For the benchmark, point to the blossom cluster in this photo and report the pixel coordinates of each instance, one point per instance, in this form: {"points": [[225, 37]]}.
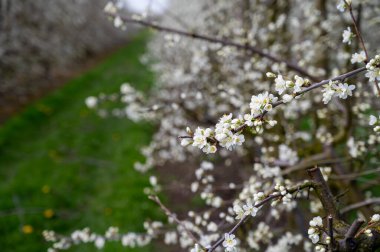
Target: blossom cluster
{"points": [[315, 229], [228, 131], [230, 242], [373, 69], [286, 197], [248, 209], [282, 85], [262, 234], [336, 89], [348, 36], [130, 104], [358, 57], [111, 235], [375, 121], [204, 185], [375, 219], [343, 5]]}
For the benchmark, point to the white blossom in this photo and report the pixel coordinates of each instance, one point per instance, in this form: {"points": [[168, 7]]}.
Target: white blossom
{"points": [[209, 149], [287, 98], [262, 102], [358, 57], [375, 218], [200, 137], [299, 83], [342, 5], [250, 209], [314, 231], [91, 101], [372, 120], [287, 154], [280, 85], [316, 222], [249, 119], [99, 242], [328, 92], [270, 75], [229, 242], [196, 248], [170, 238], [373, 69], [118, 22], [347, 36], [110, 8], [368, 233], [238, 211], [344, 90]]}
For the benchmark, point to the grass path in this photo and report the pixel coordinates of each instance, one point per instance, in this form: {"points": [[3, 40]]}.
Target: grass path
{"points": [[58, 158]]}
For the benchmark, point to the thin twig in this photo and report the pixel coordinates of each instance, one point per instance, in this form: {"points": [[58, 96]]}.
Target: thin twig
{"points": [[367, 227], [357, 31], [360, 204], [174, 217], [353, 176], [361, 40]]}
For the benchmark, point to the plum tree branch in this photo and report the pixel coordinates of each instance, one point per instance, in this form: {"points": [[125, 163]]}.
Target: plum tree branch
{"points": [[271, 197], [360, 204], [330, 226], [224, 42], [311, 87], [341, 77], [323, 192]]}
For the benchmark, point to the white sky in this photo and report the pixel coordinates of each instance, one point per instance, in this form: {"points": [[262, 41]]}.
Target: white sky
{"points": [[139, 6]]}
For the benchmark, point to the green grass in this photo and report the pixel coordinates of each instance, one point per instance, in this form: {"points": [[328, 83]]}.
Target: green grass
{"points": [[59, 155]]}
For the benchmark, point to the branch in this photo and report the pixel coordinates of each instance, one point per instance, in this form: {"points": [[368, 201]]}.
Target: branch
{"points": [[354, 228], [348, 243], [330, 227], [353, 176], [276, 104], [323, 192], [360, 204], [261, 203], [313, 86], [221, 41]]}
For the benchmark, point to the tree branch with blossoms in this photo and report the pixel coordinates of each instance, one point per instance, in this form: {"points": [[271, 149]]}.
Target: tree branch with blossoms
{"points": [[273, 196], [245, 47], [360, 39], [228, 130], [338, 235]]}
